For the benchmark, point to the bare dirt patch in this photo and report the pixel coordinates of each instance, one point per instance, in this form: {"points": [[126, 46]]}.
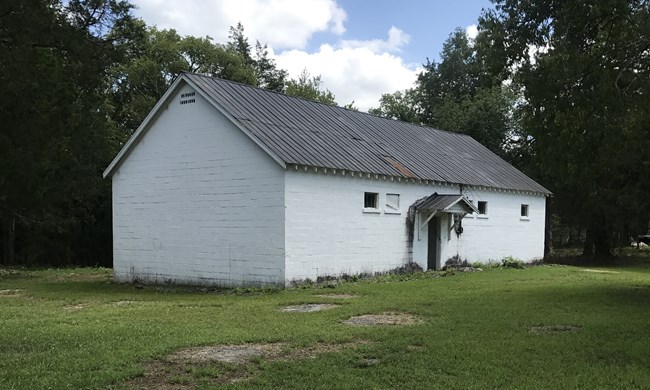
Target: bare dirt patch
{"points": [[75, 307], [309, 307], [236, 354], [11, 293], [83, 277], [600, 271], [337, 296], [219, 364], [123, 303], [381, 319], [368, 362], [317, 349], [545, 329], [413, 347]]}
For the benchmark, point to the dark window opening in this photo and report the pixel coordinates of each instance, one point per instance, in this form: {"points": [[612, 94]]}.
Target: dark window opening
{"points": [[370, 200], [524, 210], [482, 207]]}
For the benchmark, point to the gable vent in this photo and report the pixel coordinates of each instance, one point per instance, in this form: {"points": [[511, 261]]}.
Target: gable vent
{"points": [[185, 96]]}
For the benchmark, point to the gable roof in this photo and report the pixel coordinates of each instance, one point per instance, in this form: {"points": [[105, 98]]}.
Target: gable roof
{"points": [[302, 132], [435, 203]]}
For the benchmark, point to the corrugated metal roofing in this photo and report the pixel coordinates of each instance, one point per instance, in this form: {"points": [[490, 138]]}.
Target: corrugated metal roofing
{"points": [[437, 202], [303, 132]]}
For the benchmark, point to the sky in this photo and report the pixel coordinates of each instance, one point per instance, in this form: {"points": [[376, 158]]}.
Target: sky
{"points": [[361, 49]]}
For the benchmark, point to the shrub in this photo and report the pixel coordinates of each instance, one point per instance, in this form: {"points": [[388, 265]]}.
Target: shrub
{"points": [[511, 262]]}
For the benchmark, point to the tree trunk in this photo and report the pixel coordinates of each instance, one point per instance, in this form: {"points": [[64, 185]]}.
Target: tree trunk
{"points": [[588, 248], [8, 225], [602, 242], [548, 236]]}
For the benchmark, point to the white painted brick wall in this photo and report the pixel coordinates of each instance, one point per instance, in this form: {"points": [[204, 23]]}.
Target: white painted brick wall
{"points": [[327, 233], [198, 202], [503, 233]]}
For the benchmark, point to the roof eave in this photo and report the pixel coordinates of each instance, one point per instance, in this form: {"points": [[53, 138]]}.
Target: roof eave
{"points": [[469, 204], [408, 179]]}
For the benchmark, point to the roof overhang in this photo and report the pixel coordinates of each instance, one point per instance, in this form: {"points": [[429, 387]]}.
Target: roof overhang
{"points": [[455, 203]]}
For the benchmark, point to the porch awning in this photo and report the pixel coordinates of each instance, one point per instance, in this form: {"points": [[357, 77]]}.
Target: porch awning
{"points": [[446, 203]]}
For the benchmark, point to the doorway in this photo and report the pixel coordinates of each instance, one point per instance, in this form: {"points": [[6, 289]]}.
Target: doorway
{"points": [[433, 243]]}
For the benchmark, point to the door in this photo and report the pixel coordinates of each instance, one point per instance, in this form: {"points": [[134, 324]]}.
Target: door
{"points": [[433, 241]]}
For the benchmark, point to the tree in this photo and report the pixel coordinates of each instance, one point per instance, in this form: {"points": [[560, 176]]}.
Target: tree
{"points": [[457, 94], [310, 87], [156, 58], [56, 135], [238, 43], [400, 105], [268, 75], [584, 71]]}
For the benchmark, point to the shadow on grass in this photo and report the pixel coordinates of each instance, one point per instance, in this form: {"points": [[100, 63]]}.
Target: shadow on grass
{"points": [[625, 259]]}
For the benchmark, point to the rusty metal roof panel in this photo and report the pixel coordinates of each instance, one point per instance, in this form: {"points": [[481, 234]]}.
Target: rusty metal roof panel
{"points": [[303, 132]]}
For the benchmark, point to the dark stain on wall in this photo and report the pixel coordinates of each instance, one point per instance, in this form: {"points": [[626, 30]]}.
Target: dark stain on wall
{"points": [[410, 230]]}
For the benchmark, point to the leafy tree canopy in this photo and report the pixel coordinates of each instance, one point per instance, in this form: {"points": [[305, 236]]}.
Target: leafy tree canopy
{"points": [[310, 87], [457, 94], [584, 71], [56, 133]]}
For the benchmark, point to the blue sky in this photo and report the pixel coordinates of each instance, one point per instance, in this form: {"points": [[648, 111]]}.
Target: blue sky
{"points": [[361, 49], [428, 23]]}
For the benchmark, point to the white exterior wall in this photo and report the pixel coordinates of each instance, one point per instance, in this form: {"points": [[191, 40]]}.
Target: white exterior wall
{"points": [[502, 232], [327, 232], [198, 202]]}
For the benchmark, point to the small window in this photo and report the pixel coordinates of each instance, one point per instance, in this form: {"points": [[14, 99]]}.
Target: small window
{"points": [[370, 200], [524, 210], [482, 207], [392, 202]]}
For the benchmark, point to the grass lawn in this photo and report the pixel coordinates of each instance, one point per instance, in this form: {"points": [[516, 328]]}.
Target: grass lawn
{"points": [[75, 328]]}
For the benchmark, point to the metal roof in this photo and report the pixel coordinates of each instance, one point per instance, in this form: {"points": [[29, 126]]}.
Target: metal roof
{"points": [[437, 202], [302, 132]]}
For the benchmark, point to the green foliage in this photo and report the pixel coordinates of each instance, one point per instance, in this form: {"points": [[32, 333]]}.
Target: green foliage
{"points": [[56, 134], [309, 87], [485, 116], [485, 265], [584, 71], [78, 77], [156, 58], [511, 262], [457, 94], [400, 105], [63, 324], [351, 106], [268, 75], [238, 43]]}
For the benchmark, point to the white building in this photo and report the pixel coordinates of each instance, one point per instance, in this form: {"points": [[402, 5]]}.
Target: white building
{"points": [[226, 184]]}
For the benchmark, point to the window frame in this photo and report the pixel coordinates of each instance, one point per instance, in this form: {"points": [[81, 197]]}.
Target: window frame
{"points": [[485, 212], [526, 216], [371, 209]]}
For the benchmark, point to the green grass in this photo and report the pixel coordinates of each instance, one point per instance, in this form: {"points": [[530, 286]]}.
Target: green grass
{"points": [[474, 335]]}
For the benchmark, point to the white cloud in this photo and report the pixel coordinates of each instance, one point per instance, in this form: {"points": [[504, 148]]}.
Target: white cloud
{"points": [[352, 69], [358, 71], [396, 39], [471, 31], [283, 24]]}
